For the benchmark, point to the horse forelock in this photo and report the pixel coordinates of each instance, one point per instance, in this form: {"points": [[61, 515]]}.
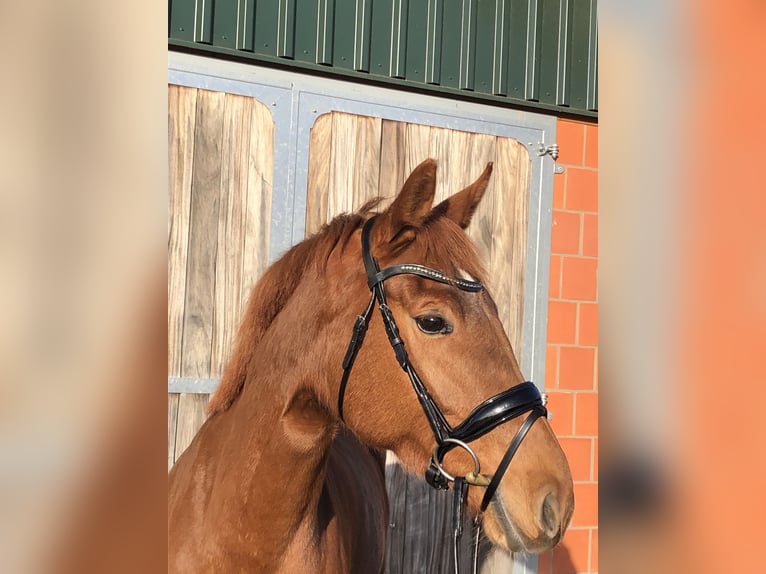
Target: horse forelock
{"points": [[270, 295], [447, 248]]}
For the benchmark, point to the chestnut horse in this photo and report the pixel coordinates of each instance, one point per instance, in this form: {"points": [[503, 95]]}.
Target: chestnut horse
{"points": [[275, 481]]}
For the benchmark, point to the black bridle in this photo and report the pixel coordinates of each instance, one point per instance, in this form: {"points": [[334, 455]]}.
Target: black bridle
{"points": [[512, 403]]}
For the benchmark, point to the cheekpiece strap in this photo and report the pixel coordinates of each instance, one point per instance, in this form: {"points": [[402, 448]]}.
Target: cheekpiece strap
{"points": [[357, 338]]}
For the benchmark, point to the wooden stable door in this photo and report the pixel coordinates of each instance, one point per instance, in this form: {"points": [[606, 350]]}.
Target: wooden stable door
{"points": [[221, 157], [353, 159]]}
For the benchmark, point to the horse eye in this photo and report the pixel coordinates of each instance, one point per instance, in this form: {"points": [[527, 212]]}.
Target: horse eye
{"points": [[433, 325]]}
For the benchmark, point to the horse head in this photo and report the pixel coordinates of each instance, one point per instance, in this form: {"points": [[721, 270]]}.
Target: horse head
{"points": [[434, 290]]}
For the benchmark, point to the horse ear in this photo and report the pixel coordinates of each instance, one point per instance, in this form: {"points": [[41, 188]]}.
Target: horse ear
{"points": [[461, 206], [413, 203]]}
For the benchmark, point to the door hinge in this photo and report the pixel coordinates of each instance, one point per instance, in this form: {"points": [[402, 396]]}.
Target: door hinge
{"points": [[552, 149]]}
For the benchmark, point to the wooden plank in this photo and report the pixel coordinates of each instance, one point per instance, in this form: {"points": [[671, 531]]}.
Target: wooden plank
{"points": [[200, 286], [509, 248], [191, 414], [403, 146], [172, 427], [182, 104], [342, 151], [233, 194], [501, 254], [448, 148], [481, 150], [319, 173], [257, 212], [366, 161], [393, 172], [417, 146], [440, 143], [520, 230]]}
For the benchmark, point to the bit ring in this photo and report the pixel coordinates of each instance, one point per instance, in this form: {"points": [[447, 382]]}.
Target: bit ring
{"points": [[437, 463]]}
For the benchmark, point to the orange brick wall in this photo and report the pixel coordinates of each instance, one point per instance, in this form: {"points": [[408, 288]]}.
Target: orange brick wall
{"points": [[571, 379]]}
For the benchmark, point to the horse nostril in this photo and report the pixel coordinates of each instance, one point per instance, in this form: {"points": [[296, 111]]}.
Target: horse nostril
{"points": [[548, 519]]}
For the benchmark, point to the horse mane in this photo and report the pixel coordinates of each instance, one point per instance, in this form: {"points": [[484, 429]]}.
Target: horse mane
{"points": [[445, 245], [270, 295]]}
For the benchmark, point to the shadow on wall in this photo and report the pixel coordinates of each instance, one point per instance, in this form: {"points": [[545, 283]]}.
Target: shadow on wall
{"points": [[562, 562], [557, 561]]}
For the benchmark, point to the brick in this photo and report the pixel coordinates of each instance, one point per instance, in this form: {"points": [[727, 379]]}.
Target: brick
{"points": [[551, 367], [579, 278], [570, 136], [554, 286], [586, 414], [565, 235], [559, 182], [591, 145], [576, 366], [578, 451], [586, 504], [590, 235], [587, 324], [581, 190], [571, 555], [562, 322], [561, 407]]}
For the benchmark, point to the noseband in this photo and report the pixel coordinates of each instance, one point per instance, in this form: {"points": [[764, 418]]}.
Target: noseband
{"points": [[512, 403]]}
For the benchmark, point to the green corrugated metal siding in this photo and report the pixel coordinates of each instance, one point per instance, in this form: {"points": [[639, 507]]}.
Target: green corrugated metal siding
{"points": [[533, 53]]}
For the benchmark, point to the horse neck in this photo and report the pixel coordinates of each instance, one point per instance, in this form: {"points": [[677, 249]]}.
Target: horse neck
{"points": [[271, 465]]}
